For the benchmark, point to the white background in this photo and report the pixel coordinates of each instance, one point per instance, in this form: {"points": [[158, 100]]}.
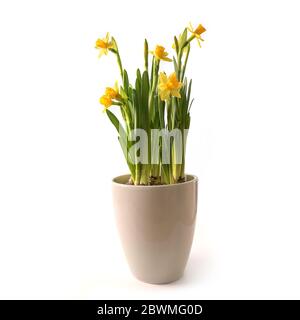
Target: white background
{"points": [[58, 151]]}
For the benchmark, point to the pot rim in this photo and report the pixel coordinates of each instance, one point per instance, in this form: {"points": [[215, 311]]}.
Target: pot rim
{"points": [[192, 177]]}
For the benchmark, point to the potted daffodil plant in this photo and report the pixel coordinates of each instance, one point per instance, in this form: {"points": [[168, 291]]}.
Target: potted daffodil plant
{"points": [[156, 203]]}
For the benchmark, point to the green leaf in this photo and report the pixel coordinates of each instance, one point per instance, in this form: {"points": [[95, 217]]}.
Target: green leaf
{"points": [[175, 66], [189, 92], [123, 94], [161, 112], [152, 70], [191, 105], [145, 88], [122, 138], [188, 121], [183, 37], [114, 120], [125, 81], [138, 76]]}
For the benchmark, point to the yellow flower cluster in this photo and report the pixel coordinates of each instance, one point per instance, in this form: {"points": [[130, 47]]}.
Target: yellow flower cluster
{"points": [[168, 86], [109, 96]]}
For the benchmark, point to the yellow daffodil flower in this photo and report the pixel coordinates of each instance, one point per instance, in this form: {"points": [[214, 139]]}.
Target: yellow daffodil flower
{"points": [[168, 86], [110, 95], [103, 45], [113, 93], [160, 53], [106, 101], [197, 32]]}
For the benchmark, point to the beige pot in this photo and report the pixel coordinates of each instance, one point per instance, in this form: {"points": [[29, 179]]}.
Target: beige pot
{"points": [[156, 225]]}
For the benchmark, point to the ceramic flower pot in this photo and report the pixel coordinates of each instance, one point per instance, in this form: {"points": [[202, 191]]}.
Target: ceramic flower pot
{"points": [[156, 226]]}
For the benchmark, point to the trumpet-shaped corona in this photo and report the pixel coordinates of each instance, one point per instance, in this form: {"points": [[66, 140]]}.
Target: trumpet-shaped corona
{"points": [[160, 53]]}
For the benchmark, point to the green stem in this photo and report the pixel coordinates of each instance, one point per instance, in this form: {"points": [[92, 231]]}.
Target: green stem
{"points": [[185, 63], [179, 57], [154, 82], [137, 174], [182, 171], [116, 51], [120, 63]]}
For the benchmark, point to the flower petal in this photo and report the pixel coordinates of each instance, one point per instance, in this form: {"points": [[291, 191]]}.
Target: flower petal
{"points": [[175, 93], [163, 77]]}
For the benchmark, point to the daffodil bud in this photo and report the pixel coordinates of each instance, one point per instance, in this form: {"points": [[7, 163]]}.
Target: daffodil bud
{"points": [[146, 53]]}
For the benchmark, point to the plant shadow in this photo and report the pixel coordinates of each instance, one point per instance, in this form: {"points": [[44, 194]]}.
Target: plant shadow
{"points": [[198, 267]]}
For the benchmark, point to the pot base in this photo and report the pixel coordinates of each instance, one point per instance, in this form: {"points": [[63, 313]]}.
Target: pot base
{"points": [[160, 281]]}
